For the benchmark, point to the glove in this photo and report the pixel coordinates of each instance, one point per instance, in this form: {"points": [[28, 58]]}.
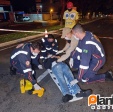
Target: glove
{"points": [[50, 55], [61, 51], [71, 62], [40, 67], [75, 81], [36, 87]]}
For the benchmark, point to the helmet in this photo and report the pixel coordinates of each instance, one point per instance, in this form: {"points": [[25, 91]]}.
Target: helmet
{"points": [[69, 5]]}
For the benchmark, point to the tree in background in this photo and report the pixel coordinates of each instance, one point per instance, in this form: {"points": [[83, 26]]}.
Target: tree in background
{"points": [[62, 11]]}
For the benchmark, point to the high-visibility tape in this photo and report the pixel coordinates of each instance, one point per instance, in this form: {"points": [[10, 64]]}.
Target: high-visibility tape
{"points": [[9, 30], [50, 32], [106, 37]]}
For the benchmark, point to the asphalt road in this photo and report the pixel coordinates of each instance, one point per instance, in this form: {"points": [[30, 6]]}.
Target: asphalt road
{"points": [[12, 101]]}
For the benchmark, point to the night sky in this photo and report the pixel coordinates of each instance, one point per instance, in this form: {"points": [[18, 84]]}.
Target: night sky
{"points": [[105, 6], [24, 5]]}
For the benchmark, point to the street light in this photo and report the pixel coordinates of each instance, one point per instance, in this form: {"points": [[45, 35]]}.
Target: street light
{"points": [[51, 12]]}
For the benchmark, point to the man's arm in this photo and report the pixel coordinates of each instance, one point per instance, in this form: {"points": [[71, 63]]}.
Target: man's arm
{"points": [[66, 46], [73, 45], [64, 49]]}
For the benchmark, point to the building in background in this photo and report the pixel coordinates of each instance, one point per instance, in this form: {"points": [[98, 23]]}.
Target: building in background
{"points": [[5, 9], [15, 10], [39, 6]]}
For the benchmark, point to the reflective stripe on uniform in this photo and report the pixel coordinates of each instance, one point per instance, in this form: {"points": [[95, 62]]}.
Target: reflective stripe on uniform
{"points": [[43, 50], [55, 40], [48, 48], [27, 70], [78, 57], [84, 80], [96, 45], [41, 57], [17, 53], [43, 40], [33, 57], [33, 72], [55, 50], [78, 49], [84, 67]]}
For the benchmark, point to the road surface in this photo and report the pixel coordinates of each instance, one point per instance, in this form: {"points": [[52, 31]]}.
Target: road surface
{"points": [[12, 101]]}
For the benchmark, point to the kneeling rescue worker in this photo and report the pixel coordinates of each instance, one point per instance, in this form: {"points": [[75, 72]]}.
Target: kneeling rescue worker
{"points": [[22, 59]]}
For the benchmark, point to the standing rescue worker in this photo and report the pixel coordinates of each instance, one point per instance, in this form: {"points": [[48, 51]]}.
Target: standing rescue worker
{"points": [[91, 54], [70, 16], [49, 47], [22, 59]]}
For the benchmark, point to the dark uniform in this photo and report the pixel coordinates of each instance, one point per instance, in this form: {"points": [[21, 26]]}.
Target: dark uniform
{"points": [[48, 48], [23, 60], [91, 54]]}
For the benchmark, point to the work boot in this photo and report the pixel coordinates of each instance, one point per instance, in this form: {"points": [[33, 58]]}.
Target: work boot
{"points": [[75, 99], [84, 93], [66, 98], [109, 75]]}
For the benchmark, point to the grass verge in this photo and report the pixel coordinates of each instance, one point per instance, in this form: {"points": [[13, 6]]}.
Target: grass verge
{"points": [[18, 35]]}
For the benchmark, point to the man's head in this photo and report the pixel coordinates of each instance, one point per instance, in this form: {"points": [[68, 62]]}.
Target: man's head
{"points": [[50, 38], [35, 48], [78, 31], [69, 6], [66, 33]]}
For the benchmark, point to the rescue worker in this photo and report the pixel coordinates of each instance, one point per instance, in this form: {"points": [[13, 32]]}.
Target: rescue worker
{"points": [[71, 43], [91, 54], [22, 59], [70, 16], [49, 47]]}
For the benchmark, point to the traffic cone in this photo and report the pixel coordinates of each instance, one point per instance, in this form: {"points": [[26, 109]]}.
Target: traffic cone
{"points": [[46, 34]]}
